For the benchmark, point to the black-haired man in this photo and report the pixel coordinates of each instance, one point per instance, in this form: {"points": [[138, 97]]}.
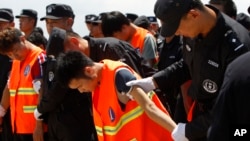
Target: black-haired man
{"points": [[27, 24], [59, 15], [73, 109]]}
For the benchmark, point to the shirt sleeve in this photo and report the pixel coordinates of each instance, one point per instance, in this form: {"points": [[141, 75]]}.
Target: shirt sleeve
{"points": [[37, 71], [122, 77], [150, 48]]}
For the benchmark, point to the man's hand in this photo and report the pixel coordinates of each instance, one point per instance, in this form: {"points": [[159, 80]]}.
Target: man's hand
{"points": [[37, 115], [38, 131], [2, 111], [146, 84], [178, 133], [1, 124]]}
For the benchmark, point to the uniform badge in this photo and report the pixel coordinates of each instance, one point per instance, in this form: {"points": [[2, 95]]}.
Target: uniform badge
{"points": [[210, 86], [49, 9], [111, 114], [51, 76], [92, 19], [213, 63], [26, 70]]}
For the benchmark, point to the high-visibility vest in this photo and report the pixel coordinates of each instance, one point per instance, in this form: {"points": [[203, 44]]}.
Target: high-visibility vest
{"points": [[131, 124], [138, 38], [23, 98]]}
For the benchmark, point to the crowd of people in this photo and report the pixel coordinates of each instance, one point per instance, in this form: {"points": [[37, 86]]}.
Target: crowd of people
{"points": [[128, 79]]}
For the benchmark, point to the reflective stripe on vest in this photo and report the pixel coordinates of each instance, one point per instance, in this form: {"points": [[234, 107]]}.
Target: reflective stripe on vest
{"points": [[99, 130], [29, 109], [133, 114], [23, 91]]}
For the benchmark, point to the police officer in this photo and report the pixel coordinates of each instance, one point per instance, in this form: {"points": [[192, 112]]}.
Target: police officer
{"points": [[170, 51], [211, 41], [230, 112], [68, 111]]}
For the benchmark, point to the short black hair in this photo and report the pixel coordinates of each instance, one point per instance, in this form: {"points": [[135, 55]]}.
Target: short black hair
{"points": [[229, 7], [70, 66], [37, 39], [113, 22]]}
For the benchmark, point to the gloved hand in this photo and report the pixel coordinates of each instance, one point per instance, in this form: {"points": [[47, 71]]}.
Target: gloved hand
{"points": [[146, 84], [37, 115], [36, 85], [178, 133]]}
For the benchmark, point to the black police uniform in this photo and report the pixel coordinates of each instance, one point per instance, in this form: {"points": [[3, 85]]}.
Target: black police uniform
{"points": [[230, 110], [114, 49], [205, 61], [170, 53], [5, 68], [69, 109]]}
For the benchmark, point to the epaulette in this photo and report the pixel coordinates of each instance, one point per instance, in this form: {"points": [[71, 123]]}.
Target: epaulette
{"points": [[233, 40]]}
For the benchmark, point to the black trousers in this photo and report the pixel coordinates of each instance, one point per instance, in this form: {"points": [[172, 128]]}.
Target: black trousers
{"points": [[6, 134], [27, 137], [69, 123]]}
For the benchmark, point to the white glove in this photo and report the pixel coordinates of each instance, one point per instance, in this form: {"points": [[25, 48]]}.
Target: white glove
{"points": [[146, 84], [179, 132], [36, 85], [37, 115], [2, 111]]}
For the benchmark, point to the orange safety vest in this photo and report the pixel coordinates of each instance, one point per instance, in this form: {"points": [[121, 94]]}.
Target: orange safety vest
{"points": [[23, 98], [138, 39], [114, 124]]}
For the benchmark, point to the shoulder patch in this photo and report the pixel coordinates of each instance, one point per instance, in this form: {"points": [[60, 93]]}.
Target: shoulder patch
{"points": [[210, 86], [233, 40]]}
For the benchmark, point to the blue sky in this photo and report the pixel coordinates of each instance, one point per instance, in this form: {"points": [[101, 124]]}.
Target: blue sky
{"points": [[83, 7]]}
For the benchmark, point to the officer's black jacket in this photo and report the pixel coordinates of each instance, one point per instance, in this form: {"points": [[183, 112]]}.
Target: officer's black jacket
{"points": [[170, 53], [230, 110], [204, 62]]}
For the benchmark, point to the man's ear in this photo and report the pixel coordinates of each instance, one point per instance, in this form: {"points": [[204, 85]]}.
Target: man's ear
{"points": [[22, 38], [70, 22], [74, 41], [194, 13], [89, 71], [12, 24]]}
